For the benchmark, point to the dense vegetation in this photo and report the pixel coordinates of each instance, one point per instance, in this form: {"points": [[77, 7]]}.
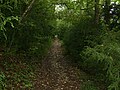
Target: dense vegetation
{"points": [[92, 38], [89, 30], [26, 29], [23, 29]]}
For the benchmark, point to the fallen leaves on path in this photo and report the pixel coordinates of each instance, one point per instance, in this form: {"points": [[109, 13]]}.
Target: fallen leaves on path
{"points": [[56, 73]]}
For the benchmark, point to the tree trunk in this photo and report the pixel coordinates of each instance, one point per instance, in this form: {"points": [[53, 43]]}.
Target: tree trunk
{"points": [[107, 14], [97, 12]]}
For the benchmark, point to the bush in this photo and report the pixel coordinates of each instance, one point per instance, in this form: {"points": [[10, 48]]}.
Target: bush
{"points": [[80, 35], [62, 28], [33, 34], [96, 50], [104, 59]]}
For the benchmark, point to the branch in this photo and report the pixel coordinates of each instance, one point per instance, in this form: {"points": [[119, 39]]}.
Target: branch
{"points": [[26, 11]]}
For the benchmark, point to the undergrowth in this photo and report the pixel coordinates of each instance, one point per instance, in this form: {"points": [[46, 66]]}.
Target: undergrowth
{"points": [[16, 74], [96, 51], [104, 59]]}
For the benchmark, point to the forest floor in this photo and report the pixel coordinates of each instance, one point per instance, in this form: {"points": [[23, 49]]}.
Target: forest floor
{"points": [[54, 72], [58, 73]]}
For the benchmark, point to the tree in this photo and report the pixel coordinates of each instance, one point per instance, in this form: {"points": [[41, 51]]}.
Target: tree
{"points": [[97, 11]]}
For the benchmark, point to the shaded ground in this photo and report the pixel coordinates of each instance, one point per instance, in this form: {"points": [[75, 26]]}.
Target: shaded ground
{"points": [[56, 72]]}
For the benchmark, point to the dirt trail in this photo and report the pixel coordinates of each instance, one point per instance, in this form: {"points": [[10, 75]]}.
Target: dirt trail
{"points": [[56, 73]]}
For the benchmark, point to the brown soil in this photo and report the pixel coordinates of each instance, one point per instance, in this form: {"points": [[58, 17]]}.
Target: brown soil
{"points": [[56, 73]]}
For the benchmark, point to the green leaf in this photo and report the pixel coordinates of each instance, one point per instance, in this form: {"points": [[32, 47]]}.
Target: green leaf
{"points": [[5, 35], [9, 19], [1, 1], [4, 23], [15, 18], [12, 25]]}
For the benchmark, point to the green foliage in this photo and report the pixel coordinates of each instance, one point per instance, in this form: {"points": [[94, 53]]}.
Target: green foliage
{"points": [[17, 73], [104, 59], [96, 49], [80, 35], [9, 17], [33, 34], [89, 85], [5, 21], [2, 81], [61, 28], [111, 14], [28, 36]]}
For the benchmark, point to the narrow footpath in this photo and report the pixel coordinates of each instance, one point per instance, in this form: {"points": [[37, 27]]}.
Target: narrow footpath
{"points": [[56, 72]]}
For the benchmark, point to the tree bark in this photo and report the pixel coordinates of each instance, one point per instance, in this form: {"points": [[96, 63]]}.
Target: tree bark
{"points": [[107, 14], [97, 12]]}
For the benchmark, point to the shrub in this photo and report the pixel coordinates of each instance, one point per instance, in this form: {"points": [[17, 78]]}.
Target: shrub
{"points": [[80, 35], [104, 59]]}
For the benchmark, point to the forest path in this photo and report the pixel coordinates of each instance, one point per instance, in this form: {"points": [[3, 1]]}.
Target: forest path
{"points": [[56, 72]]}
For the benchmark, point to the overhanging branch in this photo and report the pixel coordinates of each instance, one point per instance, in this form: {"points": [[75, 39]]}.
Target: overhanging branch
{"points": [[27, 10]]}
